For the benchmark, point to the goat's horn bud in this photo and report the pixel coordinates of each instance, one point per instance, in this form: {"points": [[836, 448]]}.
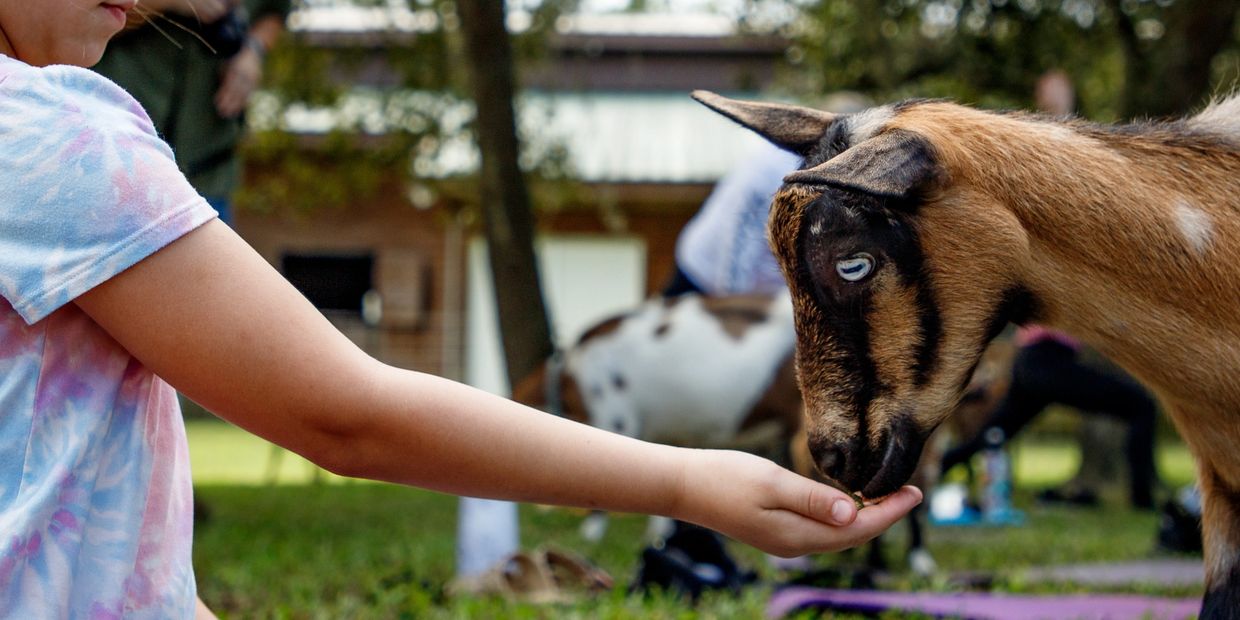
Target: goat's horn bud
{"points": [[791, 127]]}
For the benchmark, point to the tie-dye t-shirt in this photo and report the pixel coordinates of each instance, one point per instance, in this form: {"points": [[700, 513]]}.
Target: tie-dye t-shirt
{"points": [[95, 499]]}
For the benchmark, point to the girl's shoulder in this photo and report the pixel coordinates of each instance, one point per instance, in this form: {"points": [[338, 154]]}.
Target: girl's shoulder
{"points": [[59, 89]]}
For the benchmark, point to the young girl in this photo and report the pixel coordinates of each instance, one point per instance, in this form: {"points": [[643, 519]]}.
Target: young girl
{"points": [[115, 276]]}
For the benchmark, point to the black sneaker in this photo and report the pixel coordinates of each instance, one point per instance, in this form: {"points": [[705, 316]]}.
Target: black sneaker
{"points": [[1082, 497], [690, 561], [1179, 529]]}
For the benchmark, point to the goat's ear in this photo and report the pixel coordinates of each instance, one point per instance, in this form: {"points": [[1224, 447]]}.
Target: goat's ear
{"points": [[893, 164], [793, 128]]}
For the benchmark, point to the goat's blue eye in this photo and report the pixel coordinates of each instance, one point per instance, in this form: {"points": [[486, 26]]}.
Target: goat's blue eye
{"points": [[856, 267]]}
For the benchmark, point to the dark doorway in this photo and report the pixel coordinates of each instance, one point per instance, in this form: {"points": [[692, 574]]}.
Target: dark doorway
{"points": [[331, 281]]}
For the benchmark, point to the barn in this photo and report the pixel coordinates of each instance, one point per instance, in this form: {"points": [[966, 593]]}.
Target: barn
{"points": [[405, 275]]}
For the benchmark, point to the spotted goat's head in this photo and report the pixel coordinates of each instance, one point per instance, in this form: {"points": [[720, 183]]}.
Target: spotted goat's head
{"points": [[897, 282]]}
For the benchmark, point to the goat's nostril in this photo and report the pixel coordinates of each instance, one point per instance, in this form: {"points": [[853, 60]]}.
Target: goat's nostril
{"points": [[831, 461]]}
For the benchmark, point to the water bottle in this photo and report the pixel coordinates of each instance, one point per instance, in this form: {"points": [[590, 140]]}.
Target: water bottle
{"points": [[486, 534], [997, 480]]}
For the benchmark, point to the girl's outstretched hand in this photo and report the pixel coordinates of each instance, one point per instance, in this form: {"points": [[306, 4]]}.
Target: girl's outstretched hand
{"points": [[757, 502]]}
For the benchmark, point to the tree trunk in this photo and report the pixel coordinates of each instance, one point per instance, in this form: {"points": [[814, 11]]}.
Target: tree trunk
{"points": [[1170, 76], [508, 218]]}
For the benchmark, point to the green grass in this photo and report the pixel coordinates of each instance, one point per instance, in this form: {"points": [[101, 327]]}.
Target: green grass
{"points": [[351, 549]]}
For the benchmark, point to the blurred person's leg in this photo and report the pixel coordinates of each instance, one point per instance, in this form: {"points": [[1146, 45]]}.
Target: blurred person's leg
{"points": [[1036, 371], [1111, 392]]}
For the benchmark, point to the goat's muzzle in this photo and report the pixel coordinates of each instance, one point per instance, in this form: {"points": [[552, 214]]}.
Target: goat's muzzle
{"points": [[873, 470]]}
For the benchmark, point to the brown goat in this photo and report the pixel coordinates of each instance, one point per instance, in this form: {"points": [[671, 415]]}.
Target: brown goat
{"points": [[915, 231]]}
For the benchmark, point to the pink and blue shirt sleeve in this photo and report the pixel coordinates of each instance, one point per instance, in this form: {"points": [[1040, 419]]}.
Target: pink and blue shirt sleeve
{"points": [[95, 497]]}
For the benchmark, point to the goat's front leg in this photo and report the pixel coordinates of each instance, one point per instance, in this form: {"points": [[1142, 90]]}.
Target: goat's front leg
{"points": [[1221, 537]]}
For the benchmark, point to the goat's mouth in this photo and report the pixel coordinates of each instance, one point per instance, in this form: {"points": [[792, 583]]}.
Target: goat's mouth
{"points": [[899, 461], [873, 471]]}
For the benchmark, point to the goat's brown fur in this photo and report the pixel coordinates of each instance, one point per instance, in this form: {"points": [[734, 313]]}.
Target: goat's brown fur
{"points": [[1126, 237]]}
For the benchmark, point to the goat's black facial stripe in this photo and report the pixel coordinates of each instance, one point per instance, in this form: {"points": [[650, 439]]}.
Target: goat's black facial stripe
{"points": [[870, 224], [931, 323], [900, 243], [847, 312], [904, 247]]}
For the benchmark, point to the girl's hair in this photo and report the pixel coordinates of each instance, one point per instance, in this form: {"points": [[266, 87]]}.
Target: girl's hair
{"points": [[138, 17]]}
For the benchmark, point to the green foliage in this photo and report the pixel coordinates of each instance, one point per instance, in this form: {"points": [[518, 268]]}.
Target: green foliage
{"points": [[339, 169], [391, 100], [987, 53], [530, 43], [990, 52]]}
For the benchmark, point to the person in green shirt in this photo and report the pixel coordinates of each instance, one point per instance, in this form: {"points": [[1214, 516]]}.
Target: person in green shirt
{"points": [[195, 79]]}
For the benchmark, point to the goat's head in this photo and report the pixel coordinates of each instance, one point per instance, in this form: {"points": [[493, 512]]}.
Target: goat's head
{"points": [[900, 273]]}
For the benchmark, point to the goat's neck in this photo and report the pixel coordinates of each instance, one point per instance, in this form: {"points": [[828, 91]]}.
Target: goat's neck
{"points": [[1133, 246], [1142, 263]]}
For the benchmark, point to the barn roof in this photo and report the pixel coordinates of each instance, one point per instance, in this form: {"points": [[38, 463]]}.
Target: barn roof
{"points": [[680, 18], [606, 137], [630, 121]]}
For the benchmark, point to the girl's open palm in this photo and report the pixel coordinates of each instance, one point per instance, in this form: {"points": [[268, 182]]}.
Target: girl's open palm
{"points": [[778, 511]]}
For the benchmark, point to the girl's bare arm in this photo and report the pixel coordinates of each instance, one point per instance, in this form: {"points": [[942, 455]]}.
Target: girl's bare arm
{"points": [[210, 316]]}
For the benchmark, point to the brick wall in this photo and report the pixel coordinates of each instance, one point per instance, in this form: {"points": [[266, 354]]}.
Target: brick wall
{"points": [[414, 254]]}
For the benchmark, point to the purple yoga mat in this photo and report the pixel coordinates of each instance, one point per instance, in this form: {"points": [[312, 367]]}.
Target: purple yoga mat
{"points": [[978, 606]]}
